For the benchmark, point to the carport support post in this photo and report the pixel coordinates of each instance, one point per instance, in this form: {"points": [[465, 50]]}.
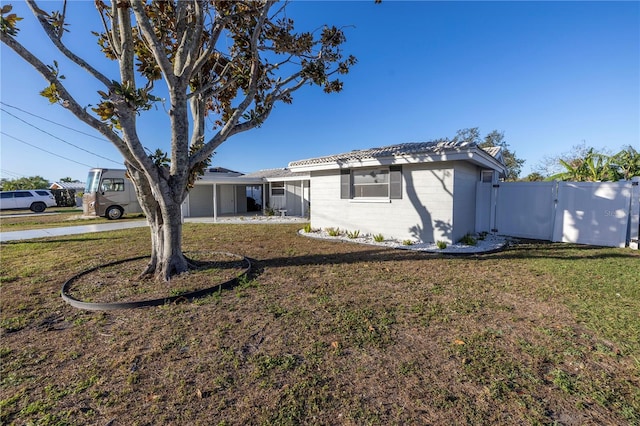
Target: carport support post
{"points": [[634, 214], [215, 202]]}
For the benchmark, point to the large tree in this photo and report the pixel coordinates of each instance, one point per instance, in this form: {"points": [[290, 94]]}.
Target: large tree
{"points": [[227, 61], [493, 138]]}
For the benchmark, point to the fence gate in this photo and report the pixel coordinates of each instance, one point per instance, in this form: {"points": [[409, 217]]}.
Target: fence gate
{"points": [[598, 213]]}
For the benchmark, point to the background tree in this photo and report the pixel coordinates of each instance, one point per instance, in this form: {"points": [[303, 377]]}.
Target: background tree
{"points": [[586, 164], [33, 182], [227, 61], [67, 179], [533, 177], [626, 163], [493, 138]]}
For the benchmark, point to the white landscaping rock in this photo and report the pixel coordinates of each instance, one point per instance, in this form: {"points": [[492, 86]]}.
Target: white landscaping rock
{"points": [[488, 244]]}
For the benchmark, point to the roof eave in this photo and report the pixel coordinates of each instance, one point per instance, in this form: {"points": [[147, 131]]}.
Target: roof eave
{"points": [[474, 155]]}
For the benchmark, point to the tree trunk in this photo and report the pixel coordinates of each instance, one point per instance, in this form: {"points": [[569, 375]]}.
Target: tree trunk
{"points": [[165, 222], [167, 258]]}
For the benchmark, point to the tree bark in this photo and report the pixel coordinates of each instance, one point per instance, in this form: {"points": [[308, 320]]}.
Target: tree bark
{"points": [[161, 205]]}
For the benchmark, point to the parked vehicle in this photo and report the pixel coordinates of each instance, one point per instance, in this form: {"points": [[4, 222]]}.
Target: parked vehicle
{"points": [[36, 200], [109, 193]]}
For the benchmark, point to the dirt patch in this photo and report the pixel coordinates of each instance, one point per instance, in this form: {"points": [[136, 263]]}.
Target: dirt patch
{"points": [[122, 282]]}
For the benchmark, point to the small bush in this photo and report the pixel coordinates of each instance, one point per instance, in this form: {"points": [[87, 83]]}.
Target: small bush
{"points": [[407, 243], [334, 232], [441, 245], [378, 238], [269, 211], [353, 234], [468, 240], [307, 228]]}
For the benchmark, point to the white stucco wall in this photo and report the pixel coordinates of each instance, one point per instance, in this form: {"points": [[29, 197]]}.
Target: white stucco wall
{"points": [[424, 213], [465, 180]]}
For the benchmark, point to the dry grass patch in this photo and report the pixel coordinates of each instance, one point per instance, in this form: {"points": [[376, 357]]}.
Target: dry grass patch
{"points": [[327, 333]]}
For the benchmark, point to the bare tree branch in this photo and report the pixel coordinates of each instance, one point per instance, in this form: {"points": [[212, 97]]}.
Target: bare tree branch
{"points": [[55, 39]]}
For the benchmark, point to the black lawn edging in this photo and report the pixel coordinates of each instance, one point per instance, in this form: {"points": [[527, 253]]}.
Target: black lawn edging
{"points": [[112, 306]]}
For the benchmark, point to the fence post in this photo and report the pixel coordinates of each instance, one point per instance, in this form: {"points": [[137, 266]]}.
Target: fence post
{"points": [[634, 214]]}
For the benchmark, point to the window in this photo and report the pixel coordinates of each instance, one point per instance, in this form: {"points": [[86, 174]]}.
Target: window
{"points": [[92, 181], [6, 195], [23, 194], [375, 183], [277, 189], [370, 183], [486, 176], [112, 184], [43, 193]]}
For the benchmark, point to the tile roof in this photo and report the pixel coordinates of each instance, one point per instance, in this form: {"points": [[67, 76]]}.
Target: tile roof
{"points": [[276, 173], [403, 149]]}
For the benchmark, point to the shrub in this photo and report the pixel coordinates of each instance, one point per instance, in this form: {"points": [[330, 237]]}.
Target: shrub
{"points": [[353, 234], [307, 228], [378, 238], [334, 232], [468, 240], [441, 245], [407, 243], [269, 211]]}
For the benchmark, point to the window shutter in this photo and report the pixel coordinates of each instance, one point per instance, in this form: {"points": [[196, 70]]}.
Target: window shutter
{"points": [[345, 184], [395, 182]]}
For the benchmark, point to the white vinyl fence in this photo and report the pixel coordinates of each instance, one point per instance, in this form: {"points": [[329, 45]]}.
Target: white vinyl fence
{"points": [[598, 213]]}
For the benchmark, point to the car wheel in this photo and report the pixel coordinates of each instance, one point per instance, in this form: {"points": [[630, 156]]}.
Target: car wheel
{"points": [[38, 207], [113, 213]]}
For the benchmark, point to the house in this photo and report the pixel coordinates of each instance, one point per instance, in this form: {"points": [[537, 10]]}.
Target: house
{"points": [[68, 194], [285, 191], [423, 191], [225, 192]]}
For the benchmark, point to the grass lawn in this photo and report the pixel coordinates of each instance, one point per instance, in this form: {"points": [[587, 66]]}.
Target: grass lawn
{"points": [[324, 333]]}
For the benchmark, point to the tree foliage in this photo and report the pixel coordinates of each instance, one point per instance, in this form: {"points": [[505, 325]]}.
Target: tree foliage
{"points": [[594, 166], [222, 62], [32, 182], [493, 138]]}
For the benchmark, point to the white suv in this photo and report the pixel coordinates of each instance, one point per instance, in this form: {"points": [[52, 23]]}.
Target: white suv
{"points": [[36, 200]]}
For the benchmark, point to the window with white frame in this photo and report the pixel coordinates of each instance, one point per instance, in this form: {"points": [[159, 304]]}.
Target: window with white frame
{"points": [[371, 183], [277, 189]]}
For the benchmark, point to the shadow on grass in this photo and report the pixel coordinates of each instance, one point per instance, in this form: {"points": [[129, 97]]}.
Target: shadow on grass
{"points": [[520, 250]]}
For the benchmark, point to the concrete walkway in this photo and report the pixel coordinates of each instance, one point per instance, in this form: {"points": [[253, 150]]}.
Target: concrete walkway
{"points": [[117, 225], [68, 230]]}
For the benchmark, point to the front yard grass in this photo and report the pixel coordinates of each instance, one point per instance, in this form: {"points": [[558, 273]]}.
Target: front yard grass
{"points": [[326, 332]]}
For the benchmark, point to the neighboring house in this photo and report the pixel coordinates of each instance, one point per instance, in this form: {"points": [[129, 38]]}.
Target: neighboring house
{"points": [[225, 192], [77, 186], [422, 191], [68, 194]]}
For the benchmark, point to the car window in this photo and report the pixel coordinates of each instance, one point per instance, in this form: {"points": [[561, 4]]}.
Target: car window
{"points": [[6, 195], [23, 194], [44, 193]]}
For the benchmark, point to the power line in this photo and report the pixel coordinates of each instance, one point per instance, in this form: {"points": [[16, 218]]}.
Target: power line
{"points": [[53, 122], [10, 173], [55, 137], [44, 150]]}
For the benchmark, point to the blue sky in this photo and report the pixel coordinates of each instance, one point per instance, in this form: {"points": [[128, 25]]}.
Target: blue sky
{"points": [[550, 75]]}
